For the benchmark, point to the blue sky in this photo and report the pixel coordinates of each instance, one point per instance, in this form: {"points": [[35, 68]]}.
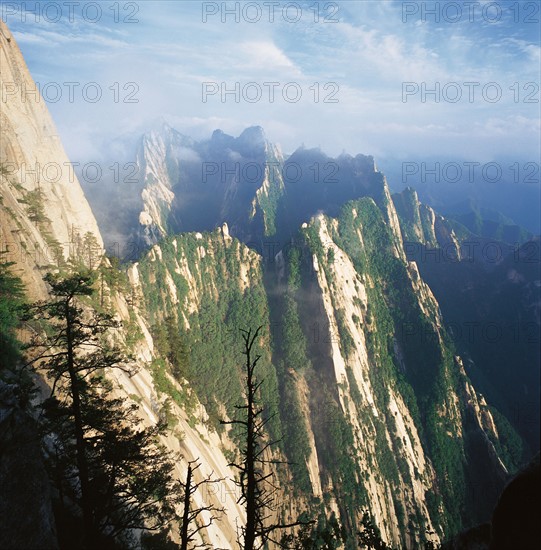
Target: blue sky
{"points": [[161, 54]]}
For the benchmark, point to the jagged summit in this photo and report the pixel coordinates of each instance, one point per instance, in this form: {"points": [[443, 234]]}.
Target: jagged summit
{"points": [[251, 139], [312, 154], [250, 142], [220, 139], [254, 134], [188, 185], [164, 131]]}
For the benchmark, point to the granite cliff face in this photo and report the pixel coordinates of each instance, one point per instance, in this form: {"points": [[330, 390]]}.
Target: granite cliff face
{"points": [[45, 219], [44, 209], [484, 284]]}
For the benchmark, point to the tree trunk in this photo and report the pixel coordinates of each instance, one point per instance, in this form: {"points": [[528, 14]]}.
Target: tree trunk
{"points": [[82, 465], [251, 505], [186, 514], [102, 289]]}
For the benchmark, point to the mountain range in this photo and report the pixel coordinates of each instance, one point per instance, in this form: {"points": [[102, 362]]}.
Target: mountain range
{"points": [[399, 349]]}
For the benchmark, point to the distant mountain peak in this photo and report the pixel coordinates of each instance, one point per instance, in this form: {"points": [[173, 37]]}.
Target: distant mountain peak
{"points": [[217, 134], [220, 139], [254, 134], [251, 141], [158, 126], [162, 131]]}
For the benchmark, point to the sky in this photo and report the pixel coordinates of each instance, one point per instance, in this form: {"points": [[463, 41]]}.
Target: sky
{"points": [[396, 80]]}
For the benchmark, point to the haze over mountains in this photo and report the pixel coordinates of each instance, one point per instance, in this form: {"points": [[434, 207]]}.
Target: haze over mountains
{"points": [[381, 397], [504, 189], [266, 199], [218, 179]]}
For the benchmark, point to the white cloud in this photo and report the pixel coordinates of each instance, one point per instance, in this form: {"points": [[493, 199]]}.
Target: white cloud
{"points": [[266, 54], [532, 51], [390, 56], [369, 53], [187, 155], [28, 38]]}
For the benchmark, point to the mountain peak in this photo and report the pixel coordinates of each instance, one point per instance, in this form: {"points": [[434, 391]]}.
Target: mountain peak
{"points": [[161, 130], [252, 140], [254, 134], [220, 139], [217, 134], [158, 126]]}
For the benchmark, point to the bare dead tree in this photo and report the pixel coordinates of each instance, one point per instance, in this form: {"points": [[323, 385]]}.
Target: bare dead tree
{"points": [[258, 492], [192, 516]]}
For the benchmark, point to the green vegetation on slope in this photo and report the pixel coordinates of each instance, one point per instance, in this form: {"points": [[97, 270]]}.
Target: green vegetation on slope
{"points": [[269, 199], [11, 302], [208, 335], [394, 318]]}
